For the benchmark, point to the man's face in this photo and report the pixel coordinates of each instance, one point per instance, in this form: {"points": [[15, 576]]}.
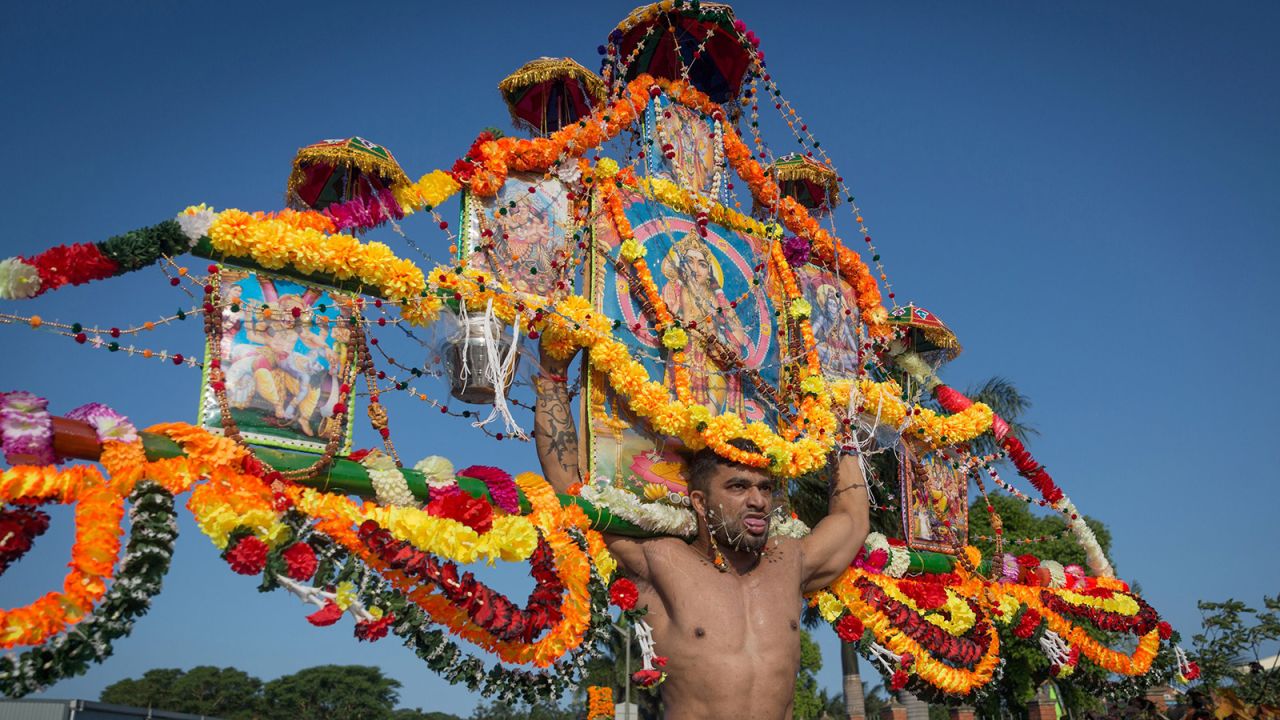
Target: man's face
{"points": [[738, 503]]}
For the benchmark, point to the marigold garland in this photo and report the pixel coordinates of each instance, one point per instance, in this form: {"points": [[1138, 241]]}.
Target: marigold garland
{"points": [[98, 514], [954, 680]]}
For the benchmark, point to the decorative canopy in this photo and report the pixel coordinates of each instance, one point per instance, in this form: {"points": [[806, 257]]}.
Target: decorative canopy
{"points": [[809, 182], [548, 93], [929, 336], [338, 171], [702, 38]]}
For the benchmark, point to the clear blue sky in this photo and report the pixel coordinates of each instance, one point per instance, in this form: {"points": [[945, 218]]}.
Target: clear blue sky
{"points": [[1086, 192]]}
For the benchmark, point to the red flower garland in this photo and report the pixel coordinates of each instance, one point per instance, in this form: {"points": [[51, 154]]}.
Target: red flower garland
{"points": [[958, 651], [71, 265], [1140, 623], [486, 607], [18, 528], [1028, 624]]}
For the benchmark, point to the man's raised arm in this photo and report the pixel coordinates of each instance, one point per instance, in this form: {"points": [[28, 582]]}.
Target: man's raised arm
{"points": [[554, 433], [556, 438], [835, 540]]}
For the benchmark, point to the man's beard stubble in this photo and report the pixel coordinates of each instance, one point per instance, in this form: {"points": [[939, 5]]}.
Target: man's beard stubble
{"points": [[734, 534]]}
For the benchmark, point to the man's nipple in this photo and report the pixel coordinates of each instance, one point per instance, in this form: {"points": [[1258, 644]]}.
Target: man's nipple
{"points": [[699, 632]]}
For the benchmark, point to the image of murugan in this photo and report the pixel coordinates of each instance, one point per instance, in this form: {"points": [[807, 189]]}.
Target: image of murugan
{"points": [[694, 291]]}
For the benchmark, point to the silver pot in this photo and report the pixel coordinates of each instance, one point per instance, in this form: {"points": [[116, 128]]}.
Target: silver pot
{"points": [[470, 380]]}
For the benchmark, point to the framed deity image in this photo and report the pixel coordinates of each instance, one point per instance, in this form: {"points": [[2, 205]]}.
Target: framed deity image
{"points": [[285, 351]]}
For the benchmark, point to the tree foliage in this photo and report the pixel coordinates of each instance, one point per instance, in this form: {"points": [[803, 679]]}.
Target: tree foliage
{"points": [[352, 692], [810, 701], [355, 692], [1019, 522], [1230, 649], [537, 711]]}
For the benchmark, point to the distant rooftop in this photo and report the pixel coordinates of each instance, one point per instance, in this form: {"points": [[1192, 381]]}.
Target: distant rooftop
{"points": [[84, 710]]}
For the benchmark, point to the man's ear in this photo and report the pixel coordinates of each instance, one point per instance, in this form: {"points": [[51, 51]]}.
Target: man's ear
{"points": [[698, 499]]}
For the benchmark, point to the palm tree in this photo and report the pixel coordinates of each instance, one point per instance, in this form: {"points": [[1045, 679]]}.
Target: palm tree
{"points": [[1009, 403]]}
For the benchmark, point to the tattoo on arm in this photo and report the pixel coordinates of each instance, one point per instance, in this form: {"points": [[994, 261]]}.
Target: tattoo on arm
{"points": [[555, 434]]}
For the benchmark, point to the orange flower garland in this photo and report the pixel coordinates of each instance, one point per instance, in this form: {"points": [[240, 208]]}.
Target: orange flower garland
{"points": [[600, 703], [491, 160], [1101, 655], [957, 681], [98, 515]]}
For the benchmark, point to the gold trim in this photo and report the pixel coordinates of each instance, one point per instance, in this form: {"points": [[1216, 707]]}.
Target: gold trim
{"points": [[545, 69], [342, 155], [942, 337], [802, 168]]}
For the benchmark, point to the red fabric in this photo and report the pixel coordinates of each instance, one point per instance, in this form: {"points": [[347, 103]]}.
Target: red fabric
{"points": [[327, 615]]}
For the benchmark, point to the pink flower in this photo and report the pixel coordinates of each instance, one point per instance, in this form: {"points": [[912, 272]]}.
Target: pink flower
{"points": [[500, 485]]}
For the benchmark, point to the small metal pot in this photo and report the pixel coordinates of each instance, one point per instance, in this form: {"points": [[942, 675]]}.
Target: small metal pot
{"points": [[469, 342]]}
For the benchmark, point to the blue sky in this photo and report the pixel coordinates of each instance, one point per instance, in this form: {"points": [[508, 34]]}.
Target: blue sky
{"points": [[1085, 192]]}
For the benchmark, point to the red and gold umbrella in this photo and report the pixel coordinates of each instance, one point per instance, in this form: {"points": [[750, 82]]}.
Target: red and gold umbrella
{"points": [[548, 93], [807, 181], [705, 38], [927, 335]]}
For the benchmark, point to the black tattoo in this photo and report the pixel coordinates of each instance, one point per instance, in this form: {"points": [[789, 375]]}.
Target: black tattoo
{"points": [[554, 432]]}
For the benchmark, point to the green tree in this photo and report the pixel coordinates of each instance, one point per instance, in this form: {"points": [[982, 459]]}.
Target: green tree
{"points": [[1229, 650], [420, 714], [809, 703], [220, 692], [351, 692], [538, 711], [153, 690], [1020, 523]]}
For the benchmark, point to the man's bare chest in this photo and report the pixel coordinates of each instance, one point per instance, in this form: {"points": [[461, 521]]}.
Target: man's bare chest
{"points": [[695, 599]]}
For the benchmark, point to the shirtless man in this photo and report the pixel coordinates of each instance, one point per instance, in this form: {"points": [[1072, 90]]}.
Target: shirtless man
{"points": [[731, 634]]}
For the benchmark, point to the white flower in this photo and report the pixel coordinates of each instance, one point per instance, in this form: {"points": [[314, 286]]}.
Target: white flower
{"points": [[195, 222], [660, 518], [18, 280], [388, 482], [787, 527], [436, 470]]}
